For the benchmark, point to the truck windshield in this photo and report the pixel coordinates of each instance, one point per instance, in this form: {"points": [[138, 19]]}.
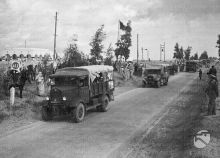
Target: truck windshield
{"points": [[153, 71], [66, 81]]}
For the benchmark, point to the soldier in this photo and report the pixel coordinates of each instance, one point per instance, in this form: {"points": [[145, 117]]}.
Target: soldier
{"points": [[40, 84], [131, 70], [200, 74], [213, 70], [212, 92]]}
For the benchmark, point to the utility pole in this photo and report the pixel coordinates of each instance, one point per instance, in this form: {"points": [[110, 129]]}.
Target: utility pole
{"points": [[55, 35], [164, 50], [142, 53], [147, 54], [25, 44], [137, 49], [160, 52]]}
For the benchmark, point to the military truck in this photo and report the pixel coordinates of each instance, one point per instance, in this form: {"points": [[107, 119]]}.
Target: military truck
{"points": [[191, 66], [75, 90], [155, 76]]}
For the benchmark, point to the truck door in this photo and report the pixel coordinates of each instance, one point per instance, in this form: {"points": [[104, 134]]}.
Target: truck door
{"points": [[84, 89]]}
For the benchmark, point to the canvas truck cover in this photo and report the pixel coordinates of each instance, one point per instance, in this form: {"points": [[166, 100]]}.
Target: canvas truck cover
{"points": [[93, 71], [153, 67]]}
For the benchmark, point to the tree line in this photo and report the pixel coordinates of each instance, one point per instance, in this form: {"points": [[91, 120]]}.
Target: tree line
{"points": [[74, 57], [185, 54]]}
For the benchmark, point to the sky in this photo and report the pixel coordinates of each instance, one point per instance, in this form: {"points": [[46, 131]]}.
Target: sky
{"points": [[194, 23]]}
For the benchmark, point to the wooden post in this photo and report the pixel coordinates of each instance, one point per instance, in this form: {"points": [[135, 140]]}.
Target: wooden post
{"points": [[12, 99]]}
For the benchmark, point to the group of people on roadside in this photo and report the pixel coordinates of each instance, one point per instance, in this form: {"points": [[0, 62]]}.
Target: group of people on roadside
{"points": [[126, 69], [211, 89]]}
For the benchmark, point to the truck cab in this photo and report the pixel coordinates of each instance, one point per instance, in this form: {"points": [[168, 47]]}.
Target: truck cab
{"points": [[75, 90], [155, 76]]}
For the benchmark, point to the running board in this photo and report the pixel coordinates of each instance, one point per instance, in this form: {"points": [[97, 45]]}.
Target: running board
{"points": [[92, 107]]}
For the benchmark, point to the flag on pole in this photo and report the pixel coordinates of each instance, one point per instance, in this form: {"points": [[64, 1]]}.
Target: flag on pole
{"points": [[121, 25]]}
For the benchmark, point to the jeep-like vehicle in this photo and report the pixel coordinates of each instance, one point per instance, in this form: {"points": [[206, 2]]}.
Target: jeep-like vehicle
{"points": [[155, 76], [75, 90]]}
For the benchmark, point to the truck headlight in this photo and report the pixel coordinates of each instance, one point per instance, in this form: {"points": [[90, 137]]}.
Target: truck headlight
{"points": [[64, 98], [52, 81]]}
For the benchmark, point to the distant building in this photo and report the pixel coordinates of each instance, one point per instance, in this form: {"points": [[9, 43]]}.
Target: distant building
{"points": [[26, 52]]}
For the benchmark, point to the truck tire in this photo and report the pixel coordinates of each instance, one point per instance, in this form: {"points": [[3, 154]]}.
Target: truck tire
{"points": [[158, 84], [46, 113], [79, 113], [105, 104], [144, 84], [166, 82]]}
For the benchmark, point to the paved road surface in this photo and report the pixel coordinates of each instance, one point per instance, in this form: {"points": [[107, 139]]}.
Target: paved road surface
{"points": [[100, 133]]}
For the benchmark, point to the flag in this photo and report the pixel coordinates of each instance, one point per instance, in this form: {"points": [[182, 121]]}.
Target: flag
{"points": [[122, 26]]}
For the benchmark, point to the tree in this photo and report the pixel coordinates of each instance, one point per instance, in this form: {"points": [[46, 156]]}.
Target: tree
{"points": [[196, 56], [97, 46], [124, 43], [181, 53], [218, 45], [204, 55], [73, 57], [109, 55], [191, 58], [178, 52], [187, 53]]}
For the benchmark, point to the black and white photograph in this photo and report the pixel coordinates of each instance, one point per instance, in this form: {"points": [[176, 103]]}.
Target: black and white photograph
{"points": [[109, 78]]}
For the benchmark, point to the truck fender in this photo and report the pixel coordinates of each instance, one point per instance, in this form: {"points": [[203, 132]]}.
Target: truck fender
{"points": [[75, 102]]}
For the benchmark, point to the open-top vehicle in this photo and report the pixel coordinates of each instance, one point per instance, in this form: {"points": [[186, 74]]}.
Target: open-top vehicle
{"points": [[74, 90], [155, 76]]}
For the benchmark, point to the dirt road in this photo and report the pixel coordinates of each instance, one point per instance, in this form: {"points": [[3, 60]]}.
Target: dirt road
{"points": [[100, 133]]}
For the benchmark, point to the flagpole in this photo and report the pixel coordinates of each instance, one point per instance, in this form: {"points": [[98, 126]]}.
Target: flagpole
{"points": [[137, 50], [118, 29]]}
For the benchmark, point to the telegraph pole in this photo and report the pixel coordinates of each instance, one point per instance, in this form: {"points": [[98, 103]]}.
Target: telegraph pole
{"points": [[164, 50], [160, 52], [137, 49], [55, 35], [142, 53]]}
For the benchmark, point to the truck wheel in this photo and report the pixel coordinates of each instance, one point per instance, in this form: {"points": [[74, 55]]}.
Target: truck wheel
{"points": [[79, 113], [46, 113], [166, 82], [144, 84], [105, 104], [158, 84]]}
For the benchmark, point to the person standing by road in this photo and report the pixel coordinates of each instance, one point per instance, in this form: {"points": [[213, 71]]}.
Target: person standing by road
{"points": [[212, 92], [213, 70], [200, 74], [40, 84]]}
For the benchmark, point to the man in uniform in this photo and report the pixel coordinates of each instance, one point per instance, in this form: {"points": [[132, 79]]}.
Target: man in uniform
{"points": [[213, 70], [212, 92], [200, 74]]}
